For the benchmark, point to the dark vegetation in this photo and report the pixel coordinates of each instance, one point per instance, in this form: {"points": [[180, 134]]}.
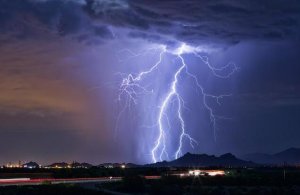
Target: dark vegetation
{"points": [[200, 185], [237, 181], [264, 180]]}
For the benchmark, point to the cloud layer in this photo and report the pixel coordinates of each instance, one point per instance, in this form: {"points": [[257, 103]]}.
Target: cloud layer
{"points": [[169, 21]]}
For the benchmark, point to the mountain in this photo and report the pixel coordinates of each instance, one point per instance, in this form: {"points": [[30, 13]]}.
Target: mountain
{"points": [[260, 158], [290, 156], [204, 160]]}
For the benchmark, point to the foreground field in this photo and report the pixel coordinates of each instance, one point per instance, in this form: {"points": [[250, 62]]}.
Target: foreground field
{"points": [[162, 181]]}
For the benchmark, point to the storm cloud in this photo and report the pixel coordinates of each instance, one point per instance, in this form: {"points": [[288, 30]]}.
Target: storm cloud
{"points": [[194, 22]]}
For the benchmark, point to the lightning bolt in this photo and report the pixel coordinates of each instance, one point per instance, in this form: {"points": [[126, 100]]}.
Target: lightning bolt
{"points": [[130, 86], [131, 89]]}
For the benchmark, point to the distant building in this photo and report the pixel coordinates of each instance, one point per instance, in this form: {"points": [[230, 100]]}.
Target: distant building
{"points": [[59, 165], [14, 165], [106, 165], [75, 165], [112, 165], [86, 165], [206, 172], [81, 165], [31, 165]]}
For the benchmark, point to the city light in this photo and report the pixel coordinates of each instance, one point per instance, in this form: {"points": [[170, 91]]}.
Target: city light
{"points": [[206, 172]]}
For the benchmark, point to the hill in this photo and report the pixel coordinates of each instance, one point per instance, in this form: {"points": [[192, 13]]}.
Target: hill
{"points": [[204, 160], [290, 156]]}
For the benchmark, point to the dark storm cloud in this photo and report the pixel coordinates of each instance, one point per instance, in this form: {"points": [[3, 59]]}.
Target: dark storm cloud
{"points": [[27, 19], [153, 38], [194, 21], [199, 21]]}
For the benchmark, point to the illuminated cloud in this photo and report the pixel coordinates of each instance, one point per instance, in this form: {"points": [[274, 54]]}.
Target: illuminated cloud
{"points": [[194, 22]]}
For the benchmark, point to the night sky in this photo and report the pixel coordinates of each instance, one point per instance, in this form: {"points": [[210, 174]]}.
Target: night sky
{"points": [[62, 63]]}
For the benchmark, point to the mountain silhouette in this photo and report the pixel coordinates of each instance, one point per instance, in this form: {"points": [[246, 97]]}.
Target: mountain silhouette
{"points": [[289, 156], [204, 160]]}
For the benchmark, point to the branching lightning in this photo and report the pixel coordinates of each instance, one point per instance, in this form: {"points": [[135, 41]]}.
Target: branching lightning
{"points": [[131, 88]]}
